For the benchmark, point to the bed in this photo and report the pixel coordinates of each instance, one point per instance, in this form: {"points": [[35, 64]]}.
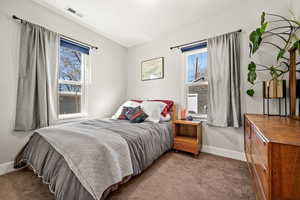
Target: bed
{"points": [[88, 159]]}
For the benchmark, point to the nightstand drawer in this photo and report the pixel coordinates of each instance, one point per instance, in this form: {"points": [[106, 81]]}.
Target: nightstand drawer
{"points": [[189, 147]]}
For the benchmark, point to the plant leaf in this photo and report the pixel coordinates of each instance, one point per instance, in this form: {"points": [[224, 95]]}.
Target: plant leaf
{"points": [[297, 46], [296, 22], [263, 18], [251, 77], [252, 66], [274, 73], [251, 73], [256, 39], [250, 92], [263, 27], [281, 54]]}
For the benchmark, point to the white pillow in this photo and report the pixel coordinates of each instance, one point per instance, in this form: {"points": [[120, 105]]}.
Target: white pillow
{"points": [[153, 109], [132, 104], [165, 118]]}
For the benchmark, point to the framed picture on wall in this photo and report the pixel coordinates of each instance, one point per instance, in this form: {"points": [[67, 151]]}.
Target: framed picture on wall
{"points": [[153, 69]]}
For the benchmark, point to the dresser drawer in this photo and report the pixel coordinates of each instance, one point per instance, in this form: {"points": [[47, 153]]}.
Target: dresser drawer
{"points": [[259, 149], [262, 176], [260, 146], [248, 146], [247, 139], [260, 193], [247, 127]]}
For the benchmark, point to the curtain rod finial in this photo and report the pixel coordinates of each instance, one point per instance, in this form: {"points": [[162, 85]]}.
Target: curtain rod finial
{"points": [[17, 18]]}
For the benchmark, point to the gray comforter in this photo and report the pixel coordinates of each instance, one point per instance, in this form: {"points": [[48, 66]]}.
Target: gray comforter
{"points": [[100, 153]]}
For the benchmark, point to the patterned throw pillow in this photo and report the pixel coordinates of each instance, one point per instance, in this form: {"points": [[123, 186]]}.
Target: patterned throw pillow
{"points": [[122, 115], [136, 115]]}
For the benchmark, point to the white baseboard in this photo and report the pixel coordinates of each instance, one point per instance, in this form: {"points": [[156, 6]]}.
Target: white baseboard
{"points": [[224, 152], [6, 168]]}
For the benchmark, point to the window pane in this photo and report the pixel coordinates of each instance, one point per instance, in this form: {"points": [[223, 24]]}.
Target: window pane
{"points": [[70, 64], [69, 88], [69, 104], [69, 99], [197, 99], [196, 67]]}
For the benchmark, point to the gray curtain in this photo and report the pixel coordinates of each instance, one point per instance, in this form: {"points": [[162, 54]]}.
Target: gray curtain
{"points": [[37, 82], [224, 106]]}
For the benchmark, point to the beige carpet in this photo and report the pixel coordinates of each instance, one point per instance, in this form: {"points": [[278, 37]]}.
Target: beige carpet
{"points": [[175, 176]]}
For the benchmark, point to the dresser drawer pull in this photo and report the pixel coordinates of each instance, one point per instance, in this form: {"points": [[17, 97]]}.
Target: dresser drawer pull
{"points": [[260, 137], [264, 169]]}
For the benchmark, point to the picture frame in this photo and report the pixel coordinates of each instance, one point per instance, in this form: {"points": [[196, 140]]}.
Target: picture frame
{"points": [[152, 69]]}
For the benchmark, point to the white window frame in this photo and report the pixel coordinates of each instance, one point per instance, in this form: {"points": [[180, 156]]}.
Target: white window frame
{"points": [[85, 68], [187, 84]]}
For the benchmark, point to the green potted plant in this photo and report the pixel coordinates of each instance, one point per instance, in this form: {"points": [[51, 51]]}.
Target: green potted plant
{"points": [[286, 32]]}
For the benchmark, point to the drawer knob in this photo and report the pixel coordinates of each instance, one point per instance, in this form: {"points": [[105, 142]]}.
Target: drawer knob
{"points": [[264, 169]]}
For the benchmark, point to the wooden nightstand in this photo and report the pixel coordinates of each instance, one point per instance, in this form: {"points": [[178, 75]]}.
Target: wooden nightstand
{"points": [[187, 136]]}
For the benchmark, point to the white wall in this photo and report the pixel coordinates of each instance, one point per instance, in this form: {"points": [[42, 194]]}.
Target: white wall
{"points": [[296, 8], [246, 16], [108, 86]]}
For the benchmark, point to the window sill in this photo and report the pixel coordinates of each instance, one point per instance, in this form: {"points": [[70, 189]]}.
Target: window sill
{"points": [[71, 117], [200, 117]]}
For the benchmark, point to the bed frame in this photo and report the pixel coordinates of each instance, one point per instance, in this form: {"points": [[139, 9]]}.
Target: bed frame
{"points": [[174, 113]]}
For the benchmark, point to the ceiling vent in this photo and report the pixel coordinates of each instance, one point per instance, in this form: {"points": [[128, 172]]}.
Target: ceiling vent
{"points": [[71, 10]]}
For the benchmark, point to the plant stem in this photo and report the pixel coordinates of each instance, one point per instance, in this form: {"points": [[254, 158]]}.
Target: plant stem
{"points": [[260, 70], [264, 66], [276, 47], [289, 22], [280, 20], [285, 63], [258, 82], [281, 73], [281, 27], [272, 45], [277, 34], [286, 58], [279, 16]]}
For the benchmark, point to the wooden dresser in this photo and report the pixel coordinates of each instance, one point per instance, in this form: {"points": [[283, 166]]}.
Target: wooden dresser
{"points": [[272, 147]]}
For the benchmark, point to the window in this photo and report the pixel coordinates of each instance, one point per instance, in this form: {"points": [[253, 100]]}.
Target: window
{"points": [[73, 65], [196, 84]]}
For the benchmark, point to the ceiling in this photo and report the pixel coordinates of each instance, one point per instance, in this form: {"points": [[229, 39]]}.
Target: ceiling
{"points": [[133, 22]]}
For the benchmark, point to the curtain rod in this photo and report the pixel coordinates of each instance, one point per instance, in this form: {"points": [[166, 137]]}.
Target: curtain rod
{"points": [[199, 41], [67, 37]]}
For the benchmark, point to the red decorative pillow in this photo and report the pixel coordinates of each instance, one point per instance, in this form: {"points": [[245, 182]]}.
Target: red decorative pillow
{"points": [[166, 110], [138, 101], [168, 107]]}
